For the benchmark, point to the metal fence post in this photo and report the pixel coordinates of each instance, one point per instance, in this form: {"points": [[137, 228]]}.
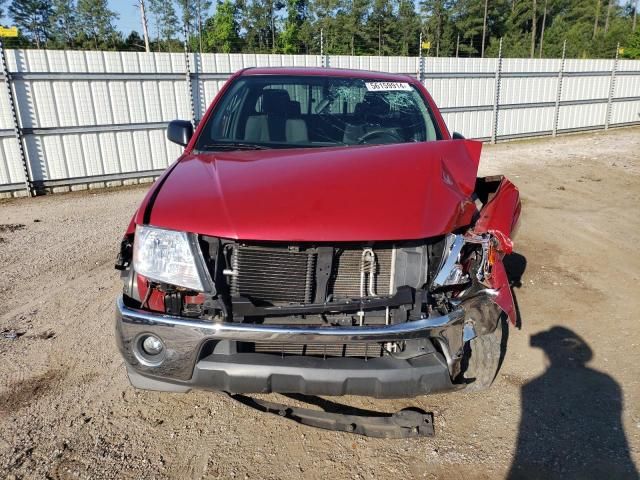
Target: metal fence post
{"points": [[556, 114], [322, 48], [197, 61], [188, 78], [17, 128], [420, 60], [612, 88], [496, 100]]}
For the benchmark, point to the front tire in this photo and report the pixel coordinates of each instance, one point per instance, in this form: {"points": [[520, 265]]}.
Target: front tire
{"points": [[483, 356]]}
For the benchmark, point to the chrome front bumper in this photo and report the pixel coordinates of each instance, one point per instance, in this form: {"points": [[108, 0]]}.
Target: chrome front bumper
{"points": [[186, 364], [247, 332]]}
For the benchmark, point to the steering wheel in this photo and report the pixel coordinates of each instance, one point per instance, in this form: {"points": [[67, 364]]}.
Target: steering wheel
{"points": [[381, 133]]}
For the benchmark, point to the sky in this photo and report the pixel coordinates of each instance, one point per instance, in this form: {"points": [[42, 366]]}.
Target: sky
{"points": [[129, 15]]}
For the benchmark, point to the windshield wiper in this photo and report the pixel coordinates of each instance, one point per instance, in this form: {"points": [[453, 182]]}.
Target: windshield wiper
{"points": [[233, 146]]}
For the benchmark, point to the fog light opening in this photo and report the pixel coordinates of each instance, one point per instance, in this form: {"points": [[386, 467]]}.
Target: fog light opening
{"points": [[149, 350], [152, 345]]}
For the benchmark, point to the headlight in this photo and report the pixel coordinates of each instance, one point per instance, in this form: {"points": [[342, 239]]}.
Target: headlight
{"points": [[451, 272], [478, 261], [166, 256]]}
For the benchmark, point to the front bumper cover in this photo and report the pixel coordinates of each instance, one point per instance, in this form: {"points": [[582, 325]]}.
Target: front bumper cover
{"points": [[187, 364]]}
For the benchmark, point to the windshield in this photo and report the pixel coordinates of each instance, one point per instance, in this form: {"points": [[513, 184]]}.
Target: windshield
{"points": [[311, 111]]}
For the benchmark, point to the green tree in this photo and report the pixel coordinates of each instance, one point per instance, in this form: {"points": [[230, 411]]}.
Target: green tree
{"points": [[632, 49], [193, 14], [166, 23], [291, 38], [32, 17], [259, 19], [351, 16], [188, 15], [381, 27], [437, 29], [220, 32], [468, 19], [64, 25], [408, 28], [95, 22], [324, 14], [133, 43]]}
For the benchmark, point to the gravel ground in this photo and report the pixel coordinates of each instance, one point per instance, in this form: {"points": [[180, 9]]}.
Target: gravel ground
{"points": [[566, 403]]}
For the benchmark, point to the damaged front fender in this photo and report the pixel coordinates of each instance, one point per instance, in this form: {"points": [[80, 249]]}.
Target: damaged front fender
{"points": [[499, 217]]}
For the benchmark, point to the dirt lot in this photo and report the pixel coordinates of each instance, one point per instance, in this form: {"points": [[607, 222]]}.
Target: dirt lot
{"points": [[566, 403]]}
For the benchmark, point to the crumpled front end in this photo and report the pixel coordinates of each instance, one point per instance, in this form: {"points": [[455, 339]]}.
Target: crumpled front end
{"points": [[382, 319]]}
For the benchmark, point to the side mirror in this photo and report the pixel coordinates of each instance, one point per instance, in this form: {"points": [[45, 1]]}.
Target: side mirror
{"points": [[457, 136], [180, 132]]}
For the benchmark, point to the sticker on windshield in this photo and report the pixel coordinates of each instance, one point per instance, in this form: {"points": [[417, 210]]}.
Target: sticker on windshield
{"points": [[387, 86]]}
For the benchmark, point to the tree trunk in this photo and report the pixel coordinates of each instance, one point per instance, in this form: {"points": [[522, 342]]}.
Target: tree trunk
{"points": [[606, 22], [439, 33], [199, 13], [635, 16], [544, 22], [595, 23], [533, 29], [145, 29], [273, 30], [484, 27], [34, 31]]}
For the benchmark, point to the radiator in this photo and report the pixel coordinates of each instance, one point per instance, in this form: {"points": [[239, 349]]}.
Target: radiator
{"points": [[346, 282], [274, 275], [282, 275]]}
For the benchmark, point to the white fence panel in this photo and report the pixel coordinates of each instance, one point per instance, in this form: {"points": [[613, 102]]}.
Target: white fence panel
{"points": [[470, 124], [11, 170], [576, 117], [91, 92], [625, 112], [515, 122], [585, 88], [96, 116], [461, 92], [515, 90]]}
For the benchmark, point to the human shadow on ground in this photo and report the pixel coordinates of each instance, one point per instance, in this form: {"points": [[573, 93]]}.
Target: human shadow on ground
{"points": [[571, 426]]}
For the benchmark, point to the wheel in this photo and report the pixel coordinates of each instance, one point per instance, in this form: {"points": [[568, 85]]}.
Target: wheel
{"points": [[483, 356]]}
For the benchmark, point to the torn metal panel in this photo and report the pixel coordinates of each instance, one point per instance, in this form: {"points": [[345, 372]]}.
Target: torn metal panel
{"points": [[499, 217]]}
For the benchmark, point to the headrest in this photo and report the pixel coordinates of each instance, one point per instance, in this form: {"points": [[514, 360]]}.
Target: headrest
{"points": [[275, 101], [373, 104], [293, 109]]}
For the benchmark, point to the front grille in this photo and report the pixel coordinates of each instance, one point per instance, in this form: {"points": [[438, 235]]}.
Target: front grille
{"points": [[275, 275], [354, 350]]}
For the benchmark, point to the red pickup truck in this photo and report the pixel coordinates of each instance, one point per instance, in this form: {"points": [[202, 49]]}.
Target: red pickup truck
{"points": [[322, 233]]}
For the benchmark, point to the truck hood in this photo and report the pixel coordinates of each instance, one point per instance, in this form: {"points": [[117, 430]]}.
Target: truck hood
{"points": [[358, 193]]}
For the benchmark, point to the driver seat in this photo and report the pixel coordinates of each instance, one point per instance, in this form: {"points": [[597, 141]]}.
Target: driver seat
{"points": [[368, 117], [276, 120]]}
